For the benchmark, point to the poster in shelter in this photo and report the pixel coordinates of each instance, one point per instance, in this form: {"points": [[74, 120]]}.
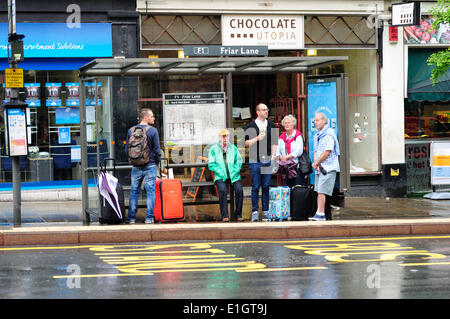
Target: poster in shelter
{"points": [[193, 118]]}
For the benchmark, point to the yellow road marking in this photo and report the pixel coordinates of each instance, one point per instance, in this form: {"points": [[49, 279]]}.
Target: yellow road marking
{"points": [[188, 270], [102, 275], [283, 269], [148, 259], [207, 245], [146, 273]]}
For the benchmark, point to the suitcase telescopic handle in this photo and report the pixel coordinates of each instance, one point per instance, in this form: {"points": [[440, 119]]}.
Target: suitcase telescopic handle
{"points": [[113, 160], [160, 166]]}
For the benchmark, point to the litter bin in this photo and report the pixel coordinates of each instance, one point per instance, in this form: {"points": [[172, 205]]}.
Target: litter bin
{"points": [[41, 167]]}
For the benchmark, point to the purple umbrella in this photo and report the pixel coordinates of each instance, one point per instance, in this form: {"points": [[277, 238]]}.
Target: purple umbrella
{"points": [[107, 187]]}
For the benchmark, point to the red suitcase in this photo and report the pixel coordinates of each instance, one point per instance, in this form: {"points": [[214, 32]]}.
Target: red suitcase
{"points": [[169, 200]]}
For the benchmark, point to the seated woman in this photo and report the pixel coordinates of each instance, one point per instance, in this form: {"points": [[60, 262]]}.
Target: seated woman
{"points": [[290, 148]]}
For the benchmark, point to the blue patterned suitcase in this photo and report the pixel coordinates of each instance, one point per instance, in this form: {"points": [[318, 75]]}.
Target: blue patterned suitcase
{"points": [[279, 203]]}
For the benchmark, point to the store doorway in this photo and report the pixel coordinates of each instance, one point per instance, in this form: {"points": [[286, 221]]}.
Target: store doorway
{"points": [[278, 91]]}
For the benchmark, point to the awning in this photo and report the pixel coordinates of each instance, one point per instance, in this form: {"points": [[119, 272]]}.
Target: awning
{"points": [[209, 65], [420, 86]]}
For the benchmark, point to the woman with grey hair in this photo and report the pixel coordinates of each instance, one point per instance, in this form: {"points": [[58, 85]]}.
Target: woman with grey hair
{"points": [[290, 148]]}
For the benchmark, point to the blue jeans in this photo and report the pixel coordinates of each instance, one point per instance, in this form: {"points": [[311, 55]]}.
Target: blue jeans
{"points": [[260, 180], [138, 174]]}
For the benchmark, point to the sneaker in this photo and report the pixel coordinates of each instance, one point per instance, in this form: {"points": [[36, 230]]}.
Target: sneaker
{"points": [[150, 220], [265, 216], [318, 217], [255, 216], [131, 221]]}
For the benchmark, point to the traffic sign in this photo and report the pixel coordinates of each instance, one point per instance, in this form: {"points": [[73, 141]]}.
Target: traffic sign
{"points": [[14, 78]]}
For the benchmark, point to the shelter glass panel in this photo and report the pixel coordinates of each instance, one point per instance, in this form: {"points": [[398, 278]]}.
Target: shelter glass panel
{"points": [[53, 120], [151, 90]]}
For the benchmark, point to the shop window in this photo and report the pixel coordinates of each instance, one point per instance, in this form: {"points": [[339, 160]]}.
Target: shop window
{"points": [[53, 119], [362, 72], [427, 120], [427, 108]]}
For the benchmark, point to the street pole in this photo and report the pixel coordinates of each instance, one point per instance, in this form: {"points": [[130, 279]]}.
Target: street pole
{"points": [[17, 200]]}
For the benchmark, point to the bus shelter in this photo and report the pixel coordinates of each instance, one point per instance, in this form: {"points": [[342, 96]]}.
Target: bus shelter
{"points": [[91, 73]]}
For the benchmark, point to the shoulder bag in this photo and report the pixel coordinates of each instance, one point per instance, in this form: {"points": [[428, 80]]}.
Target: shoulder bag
{"points": [[304, 162]]}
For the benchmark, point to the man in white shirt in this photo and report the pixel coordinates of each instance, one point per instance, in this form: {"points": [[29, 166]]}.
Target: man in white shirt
{"points": [[261, 137]]}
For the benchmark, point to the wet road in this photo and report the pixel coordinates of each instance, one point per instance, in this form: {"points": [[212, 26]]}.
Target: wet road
{"points": [[356, 208], [376, 267]]}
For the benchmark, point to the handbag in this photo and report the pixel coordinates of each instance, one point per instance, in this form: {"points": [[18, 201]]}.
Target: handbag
{"points": [[304, 162]]}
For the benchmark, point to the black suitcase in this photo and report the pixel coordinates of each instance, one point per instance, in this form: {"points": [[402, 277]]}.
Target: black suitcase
{"points": [[302, 202], [107, 213]]}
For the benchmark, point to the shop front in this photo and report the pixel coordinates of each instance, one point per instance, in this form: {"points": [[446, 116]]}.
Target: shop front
{"points": [[288, 31], [57, 42], [427, 106], [51, 90]]}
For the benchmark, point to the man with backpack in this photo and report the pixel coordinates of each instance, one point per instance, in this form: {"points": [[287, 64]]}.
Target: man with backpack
{"points": [[143, 151]]}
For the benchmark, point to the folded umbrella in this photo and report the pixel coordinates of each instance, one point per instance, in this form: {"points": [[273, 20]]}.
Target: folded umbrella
{"points": [[107, 184]]}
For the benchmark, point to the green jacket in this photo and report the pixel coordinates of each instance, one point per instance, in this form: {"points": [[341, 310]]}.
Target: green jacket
{"points": [[217, 165]]}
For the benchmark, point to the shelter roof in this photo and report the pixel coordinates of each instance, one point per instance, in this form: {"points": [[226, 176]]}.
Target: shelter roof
{"points": [[205, 65]]}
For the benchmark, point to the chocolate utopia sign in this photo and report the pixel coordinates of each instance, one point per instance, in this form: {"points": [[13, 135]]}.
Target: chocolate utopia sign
{"points": [[277, 32]]}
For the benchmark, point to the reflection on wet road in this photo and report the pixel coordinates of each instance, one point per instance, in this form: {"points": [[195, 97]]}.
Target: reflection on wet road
{"points": [[376, 267]]}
